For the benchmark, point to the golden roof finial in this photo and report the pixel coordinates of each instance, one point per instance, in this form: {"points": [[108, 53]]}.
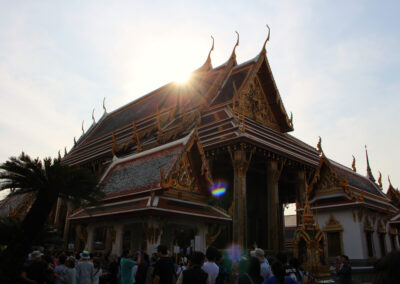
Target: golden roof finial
{"points": [[104, 104], [83, 129], [74, 140], [163, 183], [319, 147], [380, 180], [236, 45], [207, 65], [59, 155], [390, 183], [290, 120], [94, 120], [369, 172], [65, 151], [265, 43], [353, 164], [136, 136]]}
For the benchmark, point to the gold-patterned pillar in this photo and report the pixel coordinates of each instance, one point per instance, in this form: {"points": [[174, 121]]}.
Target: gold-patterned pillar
{"points": [[240, 161], [274, 218], [300, 191]]}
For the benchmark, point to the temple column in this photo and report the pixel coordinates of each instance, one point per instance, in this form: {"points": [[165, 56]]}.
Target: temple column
{"points": [[117, 245], [202, 230], [274, 218], [67, 225], [240, 162], [300, 191], [90, 238], [153, 232], [57, 213]]}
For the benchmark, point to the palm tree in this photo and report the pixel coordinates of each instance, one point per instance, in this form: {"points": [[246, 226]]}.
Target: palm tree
{"points": [[48, 180]]}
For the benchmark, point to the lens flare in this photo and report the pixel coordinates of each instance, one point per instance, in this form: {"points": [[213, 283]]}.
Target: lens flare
{"points": [[218, 189], [234, 253]]}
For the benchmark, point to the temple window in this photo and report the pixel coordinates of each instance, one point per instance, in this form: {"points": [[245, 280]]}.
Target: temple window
{"points": [[370, 248], [334, 237], [334, 246], [100, 234], [382, 244], [393, 241]]}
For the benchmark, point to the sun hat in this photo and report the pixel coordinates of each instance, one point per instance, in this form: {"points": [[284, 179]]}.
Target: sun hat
{"points": [[36, 254], [85, 254], [258, 253]]}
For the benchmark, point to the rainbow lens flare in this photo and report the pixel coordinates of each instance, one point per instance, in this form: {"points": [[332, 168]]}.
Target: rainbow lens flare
{"points": [[218, 189]]}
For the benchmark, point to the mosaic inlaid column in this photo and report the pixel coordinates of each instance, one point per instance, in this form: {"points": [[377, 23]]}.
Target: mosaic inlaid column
{"points": [[240, 161], [274, 238]]}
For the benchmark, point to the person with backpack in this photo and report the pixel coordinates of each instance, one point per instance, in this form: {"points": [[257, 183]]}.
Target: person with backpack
{"points": [[195, 274], [60, 270]]}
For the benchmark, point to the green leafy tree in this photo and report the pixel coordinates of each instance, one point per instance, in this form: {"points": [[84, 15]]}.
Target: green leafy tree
{"points": [[48, 180]]}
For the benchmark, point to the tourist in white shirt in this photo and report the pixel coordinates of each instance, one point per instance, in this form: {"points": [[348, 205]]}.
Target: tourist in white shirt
{"points": [[209, 266], [265, 268]]}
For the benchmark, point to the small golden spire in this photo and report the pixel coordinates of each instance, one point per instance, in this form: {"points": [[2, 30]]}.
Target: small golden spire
{"points": [[65, 151], [94, 120], [236, 45], [74, 140], [353, 164], [163, 183], [83, 129], [269, 32], [136, 136], [390, 183], [59, 155], [380, 180], [319, 147], [104, 104], [291, 118]]}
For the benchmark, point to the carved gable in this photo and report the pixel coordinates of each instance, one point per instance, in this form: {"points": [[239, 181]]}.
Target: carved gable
{"points": [[257, 108], [183, 177]]}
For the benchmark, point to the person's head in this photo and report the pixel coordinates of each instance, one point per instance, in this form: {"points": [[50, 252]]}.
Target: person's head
{"points": [[70, 262], [282, 257], [279, 271], [197, 258], [295, 263], [258, 254], [162, 250], [96, 263], [85, 255], [61, 259], [387, 268], [344, 259], [36, 255], [126, 254], [211, 254]]}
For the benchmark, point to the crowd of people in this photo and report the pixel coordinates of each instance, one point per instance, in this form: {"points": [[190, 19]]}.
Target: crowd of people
{"points": [[251, 267]]}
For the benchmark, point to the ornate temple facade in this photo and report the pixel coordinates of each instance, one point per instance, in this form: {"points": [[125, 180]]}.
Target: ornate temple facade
{"points": [[160, 155]]}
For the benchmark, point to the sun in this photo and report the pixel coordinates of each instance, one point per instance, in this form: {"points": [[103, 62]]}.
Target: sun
{"points": [[182, 77]]}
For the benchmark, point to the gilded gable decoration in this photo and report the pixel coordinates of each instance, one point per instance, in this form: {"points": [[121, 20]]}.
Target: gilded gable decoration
{"points": [[255, 106], [333, 225], [367, 225], [381, 228]]}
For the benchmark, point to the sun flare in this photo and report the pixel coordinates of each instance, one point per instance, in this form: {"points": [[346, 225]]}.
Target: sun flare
{"points": [[182, 78]]}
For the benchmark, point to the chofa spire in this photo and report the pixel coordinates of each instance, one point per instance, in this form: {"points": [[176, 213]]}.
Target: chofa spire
{"points": [[208, 65], [233, 55], [369, 172]]}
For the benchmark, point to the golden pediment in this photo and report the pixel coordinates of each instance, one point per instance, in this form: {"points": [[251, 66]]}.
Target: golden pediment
{"points": [[333, 225], [257, 108]]}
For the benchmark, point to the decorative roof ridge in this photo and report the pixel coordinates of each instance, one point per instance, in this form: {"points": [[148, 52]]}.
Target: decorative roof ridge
{"points": [[116, 161], [369, 172], [207, 65]]}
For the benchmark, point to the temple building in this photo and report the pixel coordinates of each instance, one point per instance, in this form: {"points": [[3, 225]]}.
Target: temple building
{"points": [[161, 157]]}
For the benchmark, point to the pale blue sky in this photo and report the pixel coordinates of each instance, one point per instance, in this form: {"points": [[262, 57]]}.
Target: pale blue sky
{"points": [[336, 64]]}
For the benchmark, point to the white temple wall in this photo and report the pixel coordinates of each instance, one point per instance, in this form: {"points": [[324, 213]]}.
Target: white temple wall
{"points": [[353, 237]]}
